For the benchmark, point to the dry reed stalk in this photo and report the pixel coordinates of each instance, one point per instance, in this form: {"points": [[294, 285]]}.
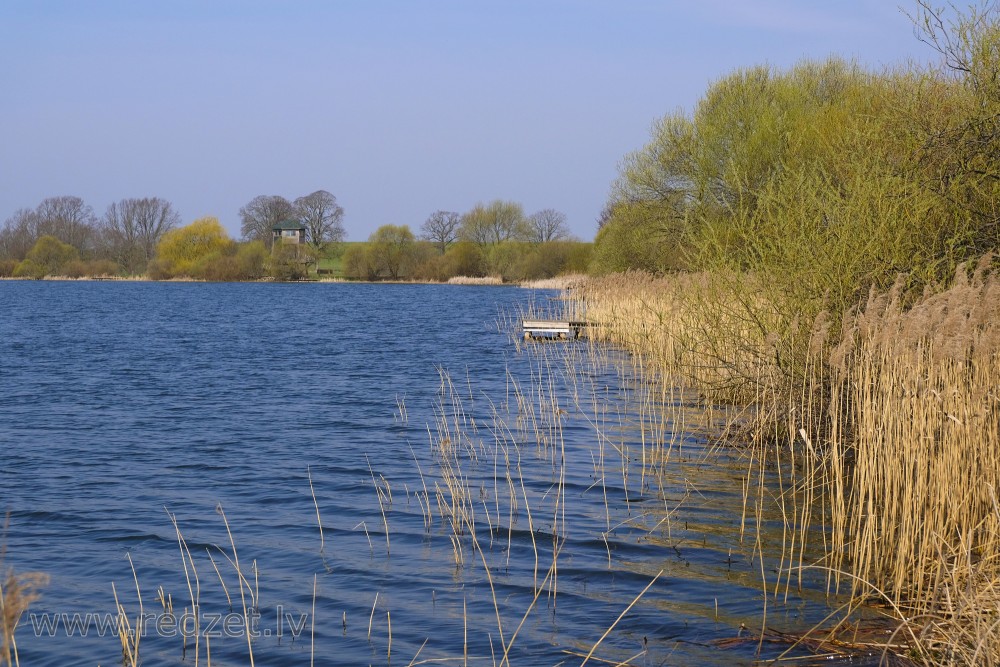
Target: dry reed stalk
{"points": [[239, 573], [127, 636], [381, 506], [402, 415], [563, 282], [620, 617], [413, 660], [371, 618], [193, 592], [921, 395], [505, 659], [225, 590], [371, 547], [892, 441], [17, 592], [141, 616], [319, 521], [312, 627], [425, 507]]}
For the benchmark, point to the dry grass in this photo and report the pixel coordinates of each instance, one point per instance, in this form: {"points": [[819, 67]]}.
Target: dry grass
{"points": [[717, 332], [16, 595], [569, 281], [473, 280], [886, 432], [913, 458]]}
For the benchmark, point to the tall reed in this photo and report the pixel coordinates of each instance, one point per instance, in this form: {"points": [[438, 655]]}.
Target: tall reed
{"points": [[914, 440], [17, 592], [881, 424]]}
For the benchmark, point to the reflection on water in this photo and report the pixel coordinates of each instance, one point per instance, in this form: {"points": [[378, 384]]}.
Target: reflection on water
{"points": [[477, 497]]}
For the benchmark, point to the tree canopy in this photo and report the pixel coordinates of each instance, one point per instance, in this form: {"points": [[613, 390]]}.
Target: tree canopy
{"points": [[180, 250], [322, 217], [262, 213], [441, 229], [47, 257]]}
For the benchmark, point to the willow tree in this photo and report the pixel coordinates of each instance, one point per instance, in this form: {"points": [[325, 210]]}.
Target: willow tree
{"points": [[493, 223], [47, 257], [183, 250], [393, 251]]}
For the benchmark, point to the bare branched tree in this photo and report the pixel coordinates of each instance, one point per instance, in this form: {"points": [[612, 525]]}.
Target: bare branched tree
{"points": [[261, 214], [441, 229], [547, 225], [133, 227], [19, 233], [322, 216], [961, 149], [68, 219]]}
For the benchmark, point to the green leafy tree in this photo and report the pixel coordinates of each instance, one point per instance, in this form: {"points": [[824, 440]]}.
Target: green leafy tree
{"points": [[393, 251], [182, 251], [291, 262], [493, 223], [46, 258], [633, 240], [359, 263]]}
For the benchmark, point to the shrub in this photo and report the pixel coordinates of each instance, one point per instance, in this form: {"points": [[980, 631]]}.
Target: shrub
{"points": [[90, 269], [46, 258]]}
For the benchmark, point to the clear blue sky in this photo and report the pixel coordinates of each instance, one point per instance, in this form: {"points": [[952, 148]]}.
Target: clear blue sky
{"points": [[398, 108]]}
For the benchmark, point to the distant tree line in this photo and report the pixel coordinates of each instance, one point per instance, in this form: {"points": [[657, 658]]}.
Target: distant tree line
{"points": [[142, 236], [63, 236], [491, 239]]}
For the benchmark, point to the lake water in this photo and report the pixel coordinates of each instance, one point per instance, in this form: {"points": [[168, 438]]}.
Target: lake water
{"points": [[123, 405]]}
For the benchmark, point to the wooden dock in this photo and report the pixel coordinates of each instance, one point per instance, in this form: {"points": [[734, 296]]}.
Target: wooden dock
{"points": [[552, 329]]}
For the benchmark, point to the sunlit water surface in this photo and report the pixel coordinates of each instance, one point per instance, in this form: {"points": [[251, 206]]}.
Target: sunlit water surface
{"points": [[125, 404]]}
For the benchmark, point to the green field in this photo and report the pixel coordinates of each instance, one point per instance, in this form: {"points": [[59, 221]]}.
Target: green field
{"points": [[334, 263]]}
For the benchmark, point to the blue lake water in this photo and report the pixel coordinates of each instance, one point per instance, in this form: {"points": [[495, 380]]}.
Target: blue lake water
{"points": [[123, 405]]}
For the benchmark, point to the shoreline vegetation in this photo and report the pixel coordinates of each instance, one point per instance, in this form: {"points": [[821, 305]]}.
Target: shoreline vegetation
{"points": [[275, 268], [812, 251], [62, 237], [555, 283], [885, 435]]}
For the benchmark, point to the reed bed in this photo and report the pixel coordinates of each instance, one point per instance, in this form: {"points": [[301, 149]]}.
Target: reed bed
{"points": [[475, 280], [882, 424], [17, 592], [914, 451], [716, 332], [563, 282]]}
